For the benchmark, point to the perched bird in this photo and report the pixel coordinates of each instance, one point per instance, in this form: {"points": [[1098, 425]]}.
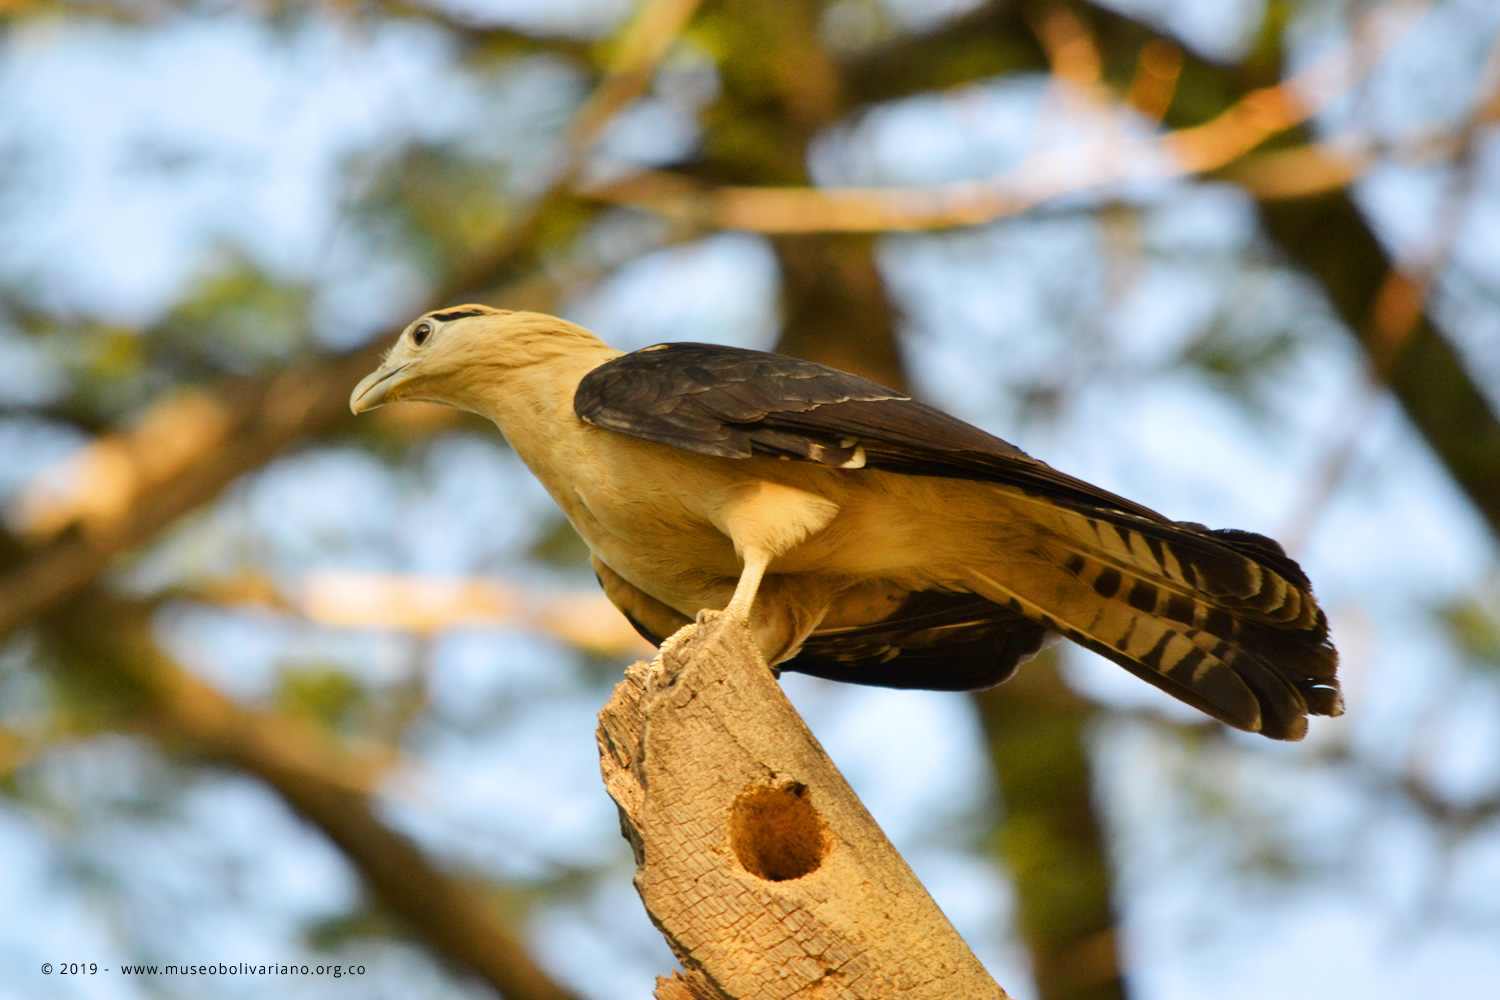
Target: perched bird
{"points": [[861, 535]]}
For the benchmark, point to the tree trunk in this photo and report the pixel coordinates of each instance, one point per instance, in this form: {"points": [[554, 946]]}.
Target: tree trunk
{"points": [[1050, 835], [754, 857]]}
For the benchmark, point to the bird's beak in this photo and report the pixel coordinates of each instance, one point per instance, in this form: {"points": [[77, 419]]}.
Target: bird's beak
{"points": [[378, 388]]}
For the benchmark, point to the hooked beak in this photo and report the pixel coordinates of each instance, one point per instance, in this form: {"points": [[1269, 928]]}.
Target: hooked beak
{"points": [[377, 388]]}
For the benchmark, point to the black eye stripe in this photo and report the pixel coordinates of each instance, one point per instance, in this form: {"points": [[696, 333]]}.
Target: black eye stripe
{"points": [[459, 313]]}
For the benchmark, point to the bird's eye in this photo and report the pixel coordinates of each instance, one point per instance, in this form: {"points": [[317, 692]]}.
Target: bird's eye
{"points": [[421, 333]]}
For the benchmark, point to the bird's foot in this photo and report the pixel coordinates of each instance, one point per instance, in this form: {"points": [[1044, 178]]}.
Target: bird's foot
{"points": [[741, 615], [660, 673], [676, 637]]}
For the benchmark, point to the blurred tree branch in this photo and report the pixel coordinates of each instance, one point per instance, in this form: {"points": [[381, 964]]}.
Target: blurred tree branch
{"points": [[491, 39], [1188, 151], [1049, 836], [1293, 173], [781, 88], [1302, 190], [426, 604], [256, 420], [182, 456], [105, 646]]}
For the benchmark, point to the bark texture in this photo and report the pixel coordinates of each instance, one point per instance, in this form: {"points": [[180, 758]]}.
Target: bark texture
{"points": [[755, 859]]}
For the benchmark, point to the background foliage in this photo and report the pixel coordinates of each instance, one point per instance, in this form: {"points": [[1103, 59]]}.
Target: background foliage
{"points": [[277, 686]]}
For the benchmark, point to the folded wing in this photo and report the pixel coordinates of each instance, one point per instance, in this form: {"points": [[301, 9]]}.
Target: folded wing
{"points": [[1223, 620]]}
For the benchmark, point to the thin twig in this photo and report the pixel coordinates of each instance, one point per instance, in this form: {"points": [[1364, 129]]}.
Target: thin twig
{"points": [[319, 777], [253, 421], [1042, 178], [1396, 315]]}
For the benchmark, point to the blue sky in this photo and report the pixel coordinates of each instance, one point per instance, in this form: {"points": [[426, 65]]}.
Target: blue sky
{"points": [[131, 157]]}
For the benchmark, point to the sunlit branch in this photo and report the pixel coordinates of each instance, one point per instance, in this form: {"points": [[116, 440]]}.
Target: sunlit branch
{"points": [[253, 421], [109, 642], [97, 487], [258, 420], [426, 604], [638, 51], [1397, 312], [1157, 72], [1043, 177], [1071, 49]]}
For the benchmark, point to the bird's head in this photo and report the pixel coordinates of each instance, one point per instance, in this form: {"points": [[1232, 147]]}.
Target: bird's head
{"points": [[454, 355]]}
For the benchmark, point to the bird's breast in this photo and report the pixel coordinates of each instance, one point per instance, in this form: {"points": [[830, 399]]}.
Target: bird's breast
{"points": [[645, 510], [660, 517]]}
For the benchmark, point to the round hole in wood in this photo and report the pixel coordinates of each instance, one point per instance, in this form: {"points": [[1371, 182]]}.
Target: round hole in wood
{"points": [[776, 833]]}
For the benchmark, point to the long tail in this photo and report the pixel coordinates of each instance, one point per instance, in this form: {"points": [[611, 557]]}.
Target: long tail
{"points": [[1223, 620]]}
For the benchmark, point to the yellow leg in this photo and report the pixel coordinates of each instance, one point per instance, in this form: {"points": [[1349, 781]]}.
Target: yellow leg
{"points": [[756, 561]]}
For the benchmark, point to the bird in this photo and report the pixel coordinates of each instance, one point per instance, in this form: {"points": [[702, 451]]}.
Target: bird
{"points": [[859, 534]]}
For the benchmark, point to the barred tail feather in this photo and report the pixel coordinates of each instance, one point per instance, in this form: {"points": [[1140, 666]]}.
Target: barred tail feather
{"points": [[1222, 621], [1243, 572]]}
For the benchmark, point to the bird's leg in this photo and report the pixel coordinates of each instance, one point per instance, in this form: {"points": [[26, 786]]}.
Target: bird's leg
{"points": [[765, 520], [756, 561]]}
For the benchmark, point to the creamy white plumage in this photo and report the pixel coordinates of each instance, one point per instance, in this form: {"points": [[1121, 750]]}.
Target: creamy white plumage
{"points": [[859, 534]]}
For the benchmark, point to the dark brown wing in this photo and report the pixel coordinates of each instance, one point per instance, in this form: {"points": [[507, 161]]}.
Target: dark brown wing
{"points": [[734, 403], [934, 641], [1239, 634]]}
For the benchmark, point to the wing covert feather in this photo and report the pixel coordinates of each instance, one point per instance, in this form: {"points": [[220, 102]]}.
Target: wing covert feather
{"points": [[1222, 619], [735, 403]]}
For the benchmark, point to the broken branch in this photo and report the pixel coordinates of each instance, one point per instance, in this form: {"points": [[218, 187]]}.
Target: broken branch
{"points": [[755, 859]]}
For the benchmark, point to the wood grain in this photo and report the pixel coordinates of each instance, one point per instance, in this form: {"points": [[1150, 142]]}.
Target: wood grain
{"points": [[755, 859]]}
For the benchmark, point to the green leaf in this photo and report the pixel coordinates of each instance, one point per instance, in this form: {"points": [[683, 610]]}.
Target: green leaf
{"points": [[321, 692], [1474, 626]]}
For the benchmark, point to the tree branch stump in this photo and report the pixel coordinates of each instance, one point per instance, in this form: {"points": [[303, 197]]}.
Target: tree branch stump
{"points": [[755, 859]]}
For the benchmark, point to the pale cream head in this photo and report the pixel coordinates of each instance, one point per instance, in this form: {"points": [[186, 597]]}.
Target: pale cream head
{"points": [[462, 354]]}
